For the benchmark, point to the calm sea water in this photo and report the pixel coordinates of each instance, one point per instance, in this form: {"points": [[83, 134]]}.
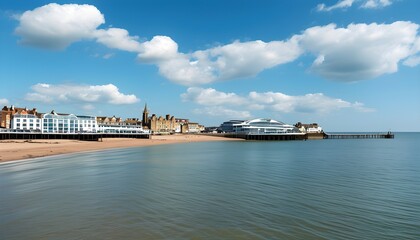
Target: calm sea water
{"points": [[322, 189]]}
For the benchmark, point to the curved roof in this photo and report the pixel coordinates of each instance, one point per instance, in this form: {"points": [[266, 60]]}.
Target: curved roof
{"points": [[265, 121], [264, 126], [55, 115]]}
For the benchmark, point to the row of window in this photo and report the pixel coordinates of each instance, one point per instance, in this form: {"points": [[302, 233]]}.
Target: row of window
{"points": [[25, 125], [54, 124], [30, 120]]}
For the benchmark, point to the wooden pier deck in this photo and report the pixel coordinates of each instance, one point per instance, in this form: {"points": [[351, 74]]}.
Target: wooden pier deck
{"points": [[267, 137], [388, 135], [307, 136], [69, 136]]}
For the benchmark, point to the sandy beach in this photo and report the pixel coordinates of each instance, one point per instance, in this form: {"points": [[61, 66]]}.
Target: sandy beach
{"points": [[26, 149]]}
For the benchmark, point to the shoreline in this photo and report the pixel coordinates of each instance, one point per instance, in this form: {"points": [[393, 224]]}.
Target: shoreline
{"points": [[15, 150]]}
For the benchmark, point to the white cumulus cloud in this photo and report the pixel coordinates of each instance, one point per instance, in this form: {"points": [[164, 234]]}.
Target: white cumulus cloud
{"points": [[160, 48], [356, 52], [339, 4], [231, 61], [376, 3], [173, 65], [3, 102], [360, 51], [245, 59], [211, 97], [343, 4], [219, 111], [352, 53], [88, 107], [412, 61], [117, 38], [56, 26], [308, 103], [183, 71], [66, 93], [272, 101]]}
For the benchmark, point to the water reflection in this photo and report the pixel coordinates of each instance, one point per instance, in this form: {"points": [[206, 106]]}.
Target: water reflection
{"points": [[332, 189]]}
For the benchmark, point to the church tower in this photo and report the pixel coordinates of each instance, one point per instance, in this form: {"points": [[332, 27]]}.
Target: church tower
{"points": [[145, 120]]}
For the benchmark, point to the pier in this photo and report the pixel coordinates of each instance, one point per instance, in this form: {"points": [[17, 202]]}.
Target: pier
{"points": [[388, 135], [69, 136], [275, 137], [255, 137], [306, 136], [266, 137]]}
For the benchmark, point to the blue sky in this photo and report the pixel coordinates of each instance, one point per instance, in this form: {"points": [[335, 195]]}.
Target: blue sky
{"points": [[350, 65]]}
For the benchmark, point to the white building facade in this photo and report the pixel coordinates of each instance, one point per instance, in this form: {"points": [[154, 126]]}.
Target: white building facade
{"points": [[25, 122], [68, 123], [121, 128], [262, 126], [54, 123]]}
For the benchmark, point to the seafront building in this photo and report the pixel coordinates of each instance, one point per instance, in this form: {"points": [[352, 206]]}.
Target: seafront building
{"points": [[54, 123], [7, 114], [262, 126], [25, 120], [228, 126], [309, 128], [267, 126], [194, 127], [262, 129], [117, 125], [109, 120], [68, 123], [168, 124]]}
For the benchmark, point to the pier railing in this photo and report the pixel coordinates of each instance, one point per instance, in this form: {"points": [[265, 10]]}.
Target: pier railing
{"points": [[359, 136]]}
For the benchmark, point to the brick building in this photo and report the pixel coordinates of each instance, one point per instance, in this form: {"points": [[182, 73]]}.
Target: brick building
{"points": [[7, 114]]}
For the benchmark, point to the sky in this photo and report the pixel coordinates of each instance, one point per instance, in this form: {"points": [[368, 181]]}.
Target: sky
{"points": [[349, 65]]}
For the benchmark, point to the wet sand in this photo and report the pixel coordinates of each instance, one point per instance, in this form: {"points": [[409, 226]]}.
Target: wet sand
{"points": [[25, 149]]}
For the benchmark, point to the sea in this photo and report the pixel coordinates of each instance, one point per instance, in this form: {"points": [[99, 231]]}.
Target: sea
{"points": [[315, 189]]}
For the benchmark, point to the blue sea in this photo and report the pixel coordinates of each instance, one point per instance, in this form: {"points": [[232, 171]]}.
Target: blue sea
{"points": [[315, 189]]}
